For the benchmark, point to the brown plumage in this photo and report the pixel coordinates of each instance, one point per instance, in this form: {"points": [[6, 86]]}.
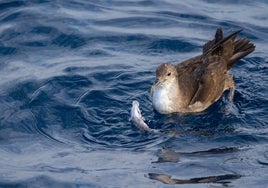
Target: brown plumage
{"points": [[193, 85]]}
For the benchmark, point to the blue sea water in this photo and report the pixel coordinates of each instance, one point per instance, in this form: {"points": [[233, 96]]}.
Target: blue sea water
{"points": [[70, 69]]}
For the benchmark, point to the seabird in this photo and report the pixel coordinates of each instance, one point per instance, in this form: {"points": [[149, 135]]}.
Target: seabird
{"points": [[195, 84]]}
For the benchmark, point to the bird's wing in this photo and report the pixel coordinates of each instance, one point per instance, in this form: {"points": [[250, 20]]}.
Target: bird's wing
{"points": [[210, 80], [203, 80]]}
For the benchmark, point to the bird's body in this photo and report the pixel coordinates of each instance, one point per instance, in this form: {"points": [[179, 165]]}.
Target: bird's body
{"points": [[193, 85]]}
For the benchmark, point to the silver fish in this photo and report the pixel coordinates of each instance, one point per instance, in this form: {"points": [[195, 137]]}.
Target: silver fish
{"points": [[137, 119]]}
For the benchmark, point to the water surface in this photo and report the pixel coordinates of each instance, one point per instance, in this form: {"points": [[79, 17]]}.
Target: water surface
{"points": [[70, 69]]}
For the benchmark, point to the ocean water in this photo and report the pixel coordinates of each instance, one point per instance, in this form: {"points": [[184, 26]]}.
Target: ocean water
{"points": [[69, 70]]}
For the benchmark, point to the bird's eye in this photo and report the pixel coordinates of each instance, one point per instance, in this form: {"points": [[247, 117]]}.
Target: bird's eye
{"points": [[168, 74]]}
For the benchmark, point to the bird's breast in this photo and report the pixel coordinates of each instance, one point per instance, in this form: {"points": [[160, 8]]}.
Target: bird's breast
{"points": [[161, 101]]}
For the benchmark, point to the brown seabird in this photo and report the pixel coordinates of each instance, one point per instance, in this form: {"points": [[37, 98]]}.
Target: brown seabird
{"points": [[193, 85]]}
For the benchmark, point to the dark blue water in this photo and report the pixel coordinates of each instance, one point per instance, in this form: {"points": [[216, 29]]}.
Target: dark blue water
{"points": [[70, 69]]}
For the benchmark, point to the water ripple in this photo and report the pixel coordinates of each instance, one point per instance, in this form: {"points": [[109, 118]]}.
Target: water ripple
{"points": [[70, 70]]}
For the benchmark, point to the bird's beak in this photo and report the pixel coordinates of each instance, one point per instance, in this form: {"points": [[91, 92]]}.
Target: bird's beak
{"points": [[156, 83]]}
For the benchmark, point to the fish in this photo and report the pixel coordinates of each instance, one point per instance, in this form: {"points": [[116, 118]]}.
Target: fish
{"points": [[138, 120]]}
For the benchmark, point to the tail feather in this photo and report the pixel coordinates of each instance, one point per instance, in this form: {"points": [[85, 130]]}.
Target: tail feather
{"points": [[242, 47], [230, 49]]}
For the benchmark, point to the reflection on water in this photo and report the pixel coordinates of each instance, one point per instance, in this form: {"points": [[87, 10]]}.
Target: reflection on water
{"points": [[223, 179], [170, 156], [167, 155]]}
